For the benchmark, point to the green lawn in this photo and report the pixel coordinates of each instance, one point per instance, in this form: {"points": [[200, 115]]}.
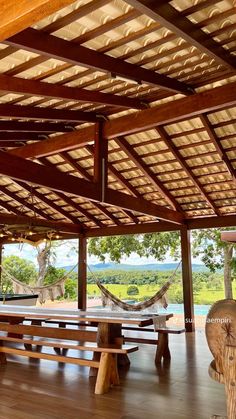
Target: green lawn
{"points": [[204, 296]]}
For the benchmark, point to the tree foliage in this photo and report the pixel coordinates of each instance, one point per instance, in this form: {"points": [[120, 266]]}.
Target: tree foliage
{"points": [[21, 269], [132, 290], [216, 254], [152, 244]]}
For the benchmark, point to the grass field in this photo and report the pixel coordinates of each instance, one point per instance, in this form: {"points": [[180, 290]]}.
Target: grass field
{"points": [[204, 296]]}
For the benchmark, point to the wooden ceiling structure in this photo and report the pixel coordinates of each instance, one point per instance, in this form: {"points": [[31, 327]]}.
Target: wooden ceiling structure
{"points": [[117, 116]]}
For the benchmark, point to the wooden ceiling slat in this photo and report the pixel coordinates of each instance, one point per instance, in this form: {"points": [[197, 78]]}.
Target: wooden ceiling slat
{"points": [[25, 204], [75, 15], [133, 155], [188, 107], [218, 146], [49, 203], [30, 127], [187, 169], [9, 219], [49, 90], [28, 171], [41, 43], [31, 112], [170, 18]]}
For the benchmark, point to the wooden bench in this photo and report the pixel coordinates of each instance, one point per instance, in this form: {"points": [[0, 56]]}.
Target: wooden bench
{"points": [[162, 340], [104, 357], [163, 350]]}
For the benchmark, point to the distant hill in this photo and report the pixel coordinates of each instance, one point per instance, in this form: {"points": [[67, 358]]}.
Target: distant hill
{"points": [[147, 267]]}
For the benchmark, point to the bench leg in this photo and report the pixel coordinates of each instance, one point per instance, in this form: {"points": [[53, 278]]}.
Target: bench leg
{"points": [[114, 371], [104, 374], [3, 358], [162, 348]]}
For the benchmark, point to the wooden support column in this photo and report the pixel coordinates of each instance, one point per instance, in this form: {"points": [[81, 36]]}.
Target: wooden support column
{"points": [[187, 280], [1, 249], [100, 160], [82, 274]]}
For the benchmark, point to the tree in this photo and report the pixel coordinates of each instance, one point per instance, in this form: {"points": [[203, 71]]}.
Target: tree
{"points": [[21, 269], [132, 290], [151, 244], [216, 254]]}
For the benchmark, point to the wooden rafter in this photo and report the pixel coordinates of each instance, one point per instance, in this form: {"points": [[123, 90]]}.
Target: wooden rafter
{"points": [[28, 171], [38, 88], [114, 172], [155, 227], [135, 158], [169, 17], [30, 127], [218, 146], [218, 98], [58, 144], [70, 201], [9, 219], [68, 159], [51, 204], [49, 45], [10, 208], [24, 203], [16, 16], [33, 112], [174, 150]]}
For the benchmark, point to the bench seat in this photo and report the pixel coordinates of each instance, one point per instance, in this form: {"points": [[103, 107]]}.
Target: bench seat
{"points": [[20, 340]]}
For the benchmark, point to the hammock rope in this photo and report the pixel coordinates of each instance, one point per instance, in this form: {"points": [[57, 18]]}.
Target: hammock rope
{"points": [[159, 298], [45, 292]]}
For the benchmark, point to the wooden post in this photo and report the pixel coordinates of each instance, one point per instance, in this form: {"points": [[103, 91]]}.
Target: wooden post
{"points": [[1, 249], [100, 160], [187, 280], [82, 274]]}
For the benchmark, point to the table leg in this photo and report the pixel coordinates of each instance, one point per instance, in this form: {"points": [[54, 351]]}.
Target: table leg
{"points": [[162, 348], [110, 333]]}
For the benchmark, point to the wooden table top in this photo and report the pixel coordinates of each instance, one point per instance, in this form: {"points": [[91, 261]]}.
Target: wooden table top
{"points": [[79, 315]]}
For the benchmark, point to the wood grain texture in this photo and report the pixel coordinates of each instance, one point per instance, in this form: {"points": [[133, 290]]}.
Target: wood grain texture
{"points": [[16, 16], [183, 390]]}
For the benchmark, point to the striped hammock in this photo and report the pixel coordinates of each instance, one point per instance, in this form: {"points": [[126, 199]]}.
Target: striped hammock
{"points": [[157, 299], [45, 292]]}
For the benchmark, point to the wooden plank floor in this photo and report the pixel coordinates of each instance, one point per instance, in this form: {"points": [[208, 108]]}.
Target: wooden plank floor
{"points": [[46, 390]]}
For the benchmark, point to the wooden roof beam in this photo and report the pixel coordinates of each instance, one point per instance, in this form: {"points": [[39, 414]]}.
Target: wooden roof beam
{"points": [[174, 150], [136, 159], [188, 107], [16, 16], [33, 112], [29, 87], [31, 127], [70, 202], [58, 144], [162, 226], [49, 202], [216, 141], [127, 213], [9, 219], [169, 17], [24, 202], [54, 47], [28, 171]]}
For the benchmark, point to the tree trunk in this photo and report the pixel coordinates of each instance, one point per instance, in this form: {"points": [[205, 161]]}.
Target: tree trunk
{"points": [[228, 256], [42, 259]]}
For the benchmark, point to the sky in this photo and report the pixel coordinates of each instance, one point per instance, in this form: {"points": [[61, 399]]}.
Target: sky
{"points": [[68, 257]]}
